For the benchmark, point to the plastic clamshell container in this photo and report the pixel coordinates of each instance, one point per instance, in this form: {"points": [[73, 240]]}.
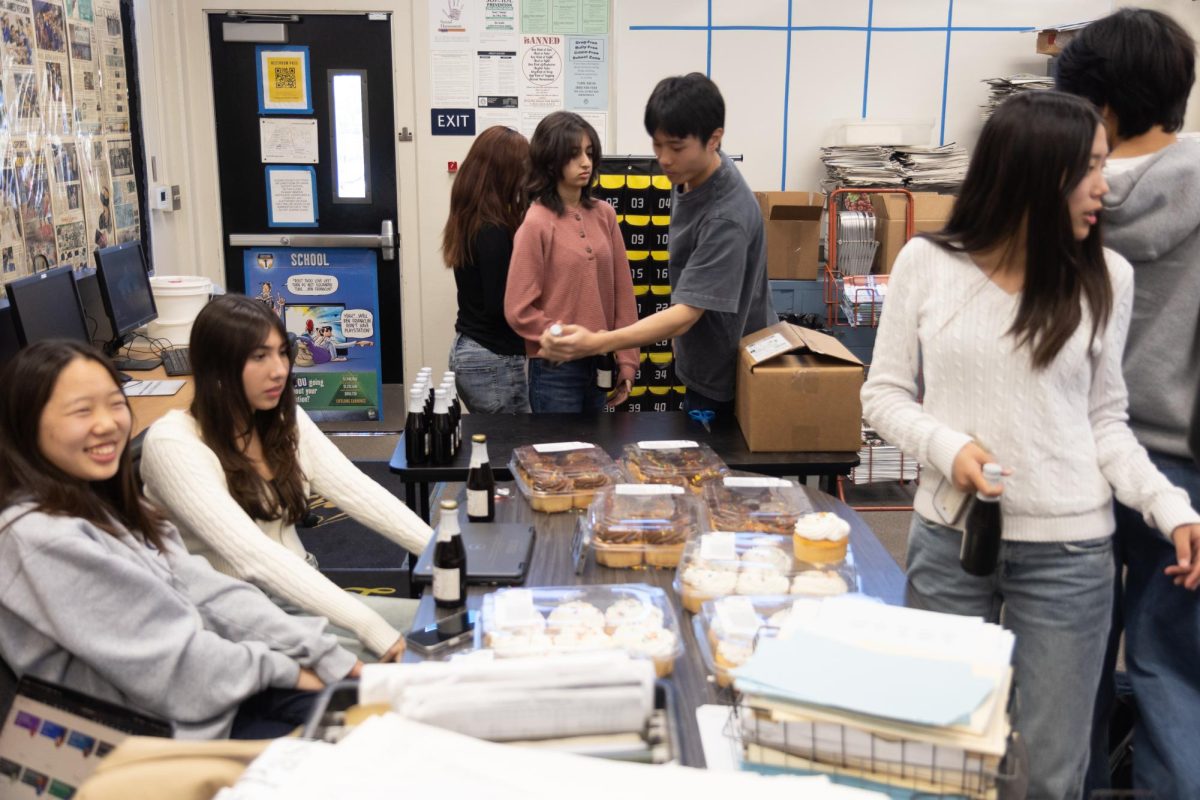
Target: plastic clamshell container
{"points": [[729, 629], [635, 525], [560, 476], [755, 504], [570, 619], [680, 462], [722, 563]]}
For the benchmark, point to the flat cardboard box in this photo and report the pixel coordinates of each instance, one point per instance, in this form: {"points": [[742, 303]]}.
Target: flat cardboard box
{"points": [[793, 225], [930, 212], [797, 390]]}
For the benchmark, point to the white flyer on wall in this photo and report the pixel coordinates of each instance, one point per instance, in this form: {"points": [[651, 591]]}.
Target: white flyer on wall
{"points": [[587, 72], [488, 117], [498, 18], [451, 53], [599, 121], [288, 141], [496, 77], [542, 73]]}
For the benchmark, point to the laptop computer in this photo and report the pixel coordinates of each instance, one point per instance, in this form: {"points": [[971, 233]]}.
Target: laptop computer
{"points": [[54, 737], [498, 554]]}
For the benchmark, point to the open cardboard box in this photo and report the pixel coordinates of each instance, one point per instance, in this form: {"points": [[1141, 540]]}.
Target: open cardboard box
{"points": [[930, 213], [793, 226], [797, 390]]}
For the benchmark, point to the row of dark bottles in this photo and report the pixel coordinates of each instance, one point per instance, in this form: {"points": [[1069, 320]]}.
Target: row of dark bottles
{"points": [[433, 427]]}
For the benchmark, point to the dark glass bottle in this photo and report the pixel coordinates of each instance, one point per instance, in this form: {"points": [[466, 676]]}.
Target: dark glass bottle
{"points": [[455, 408], [984, 529], [606, 371], [442, 432], [449, 561], [416, 429], [481, 484]]}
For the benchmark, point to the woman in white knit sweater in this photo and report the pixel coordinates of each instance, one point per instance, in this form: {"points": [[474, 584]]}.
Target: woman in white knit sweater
{"points": [[234, 475], [1016, 318]]}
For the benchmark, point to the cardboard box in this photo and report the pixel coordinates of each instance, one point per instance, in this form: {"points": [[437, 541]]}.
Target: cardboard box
{"points": [[793, 224], [1051, 41], [797, 390], [930, 212]]}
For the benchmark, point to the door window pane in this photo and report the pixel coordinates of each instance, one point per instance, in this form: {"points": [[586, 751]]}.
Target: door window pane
{"points": [[348, 111]]}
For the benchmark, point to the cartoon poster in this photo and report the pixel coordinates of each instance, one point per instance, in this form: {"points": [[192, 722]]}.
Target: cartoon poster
{"points": [[329, 300]]}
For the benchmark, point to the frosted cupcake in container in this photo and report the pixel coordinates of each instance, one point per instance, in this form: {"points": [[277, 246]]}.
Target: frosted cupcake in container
{"points": [[821, 538]]}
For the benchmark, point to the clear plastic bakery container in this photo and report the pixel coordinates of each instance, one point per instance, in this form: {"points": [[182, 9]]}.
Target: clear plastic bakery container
{"points": [[729, 629], [755, 504], [724, 563], [680, 462], [560, 476], [570, 619], [635, 525]]}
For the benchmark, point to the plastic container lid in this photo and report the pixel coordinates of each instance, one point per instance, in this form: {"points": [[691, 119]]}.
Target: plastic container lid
{"points": [[722, 563], [563, 619], [729, 629], [559, 476], [755, 504], [681, 462], [629, 525]]}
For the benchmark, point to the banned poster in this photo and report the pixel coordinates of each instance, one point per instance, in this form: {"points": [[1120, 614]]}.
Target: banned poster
{"points": [[541, 73], [329, 300]]}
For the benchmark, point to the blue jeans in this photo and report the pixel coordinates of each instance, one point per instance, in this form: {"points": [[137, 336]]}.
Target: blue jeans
{"points": [[568, 388], [1161, 622], [486, 382], [272, 713], [1057, 600]]}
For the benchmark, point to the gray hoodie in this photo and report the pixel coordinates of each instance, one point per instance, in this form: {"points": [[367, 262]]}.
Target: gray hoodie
{"points": [[1152, 217], [161, 632]]}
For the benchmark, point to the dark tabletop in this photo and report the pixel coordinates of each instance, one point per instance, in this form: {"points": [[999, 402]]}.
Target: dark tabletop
{"points": [[610, 432], [552, 565]]}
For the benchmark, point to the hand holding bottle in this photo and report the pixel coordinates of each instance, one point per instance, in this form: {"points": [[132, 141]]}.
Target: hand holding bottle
{"points": [[967, 473]]}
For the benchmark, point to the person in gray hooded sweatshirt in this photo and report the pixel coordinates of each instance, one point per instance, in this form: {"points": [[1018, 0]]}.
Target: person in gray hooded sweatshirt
{"points": [[1138, 67]]}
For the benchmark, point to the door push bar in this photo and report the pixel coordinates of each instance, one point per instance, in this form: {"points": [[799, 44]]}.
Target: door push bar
{"points": [[385, 240]]}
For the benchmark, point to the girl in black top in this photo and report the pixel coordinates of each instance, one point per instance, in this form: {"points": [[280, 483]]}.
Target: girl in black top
{"points": [[487, 203]]}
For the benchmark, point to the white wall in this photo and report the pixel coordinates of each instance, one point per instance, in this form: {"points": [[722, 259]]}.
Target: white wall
{"points": [[826, 82]]}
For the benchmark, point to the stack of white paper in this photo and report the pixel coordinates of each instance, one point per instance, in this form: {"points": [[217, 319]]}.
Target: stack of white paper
{"points": [[930, 169], [880, 461], [1004, 88], [527, 698], [862, 298], [891, 694], [860, 165]]}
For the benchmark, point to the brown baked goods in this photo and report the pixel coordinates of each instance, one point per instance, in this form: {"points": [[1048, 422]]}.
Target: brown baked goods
{"points": [[629, 525], [559, 476], [679, 463], [755, 504]]}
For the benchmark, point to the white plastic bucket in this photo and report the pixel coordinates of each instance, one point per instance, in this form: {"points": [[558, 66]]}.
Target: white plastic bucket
{"points": [[179, 299]]}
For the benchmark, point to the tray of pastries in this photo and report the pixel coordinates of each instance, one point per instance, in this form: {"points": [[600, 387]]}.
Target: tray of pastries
{"points": [[570, 619], [560, 476], [635, 525], [722, 563], [680, 462], [755, 504], [729, 629]]}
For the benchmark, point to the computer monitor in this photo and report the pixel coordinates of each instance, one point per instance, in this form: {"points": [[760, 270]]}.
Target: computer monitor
{"points": [[125, 291], [46, 306]]}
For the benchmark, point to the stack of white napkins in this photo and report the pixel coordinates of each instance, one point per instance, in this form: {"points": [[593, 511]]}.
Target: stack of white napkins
{"points": [[388, 756], [854, 686], [520, 698]]}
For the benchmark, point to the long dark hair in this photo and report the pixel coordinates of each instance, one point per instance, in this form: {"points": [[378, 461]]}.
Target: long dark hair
{"points": [[26, 475], [489, 189], [554, 143], [225, 333], [1033, 152]]}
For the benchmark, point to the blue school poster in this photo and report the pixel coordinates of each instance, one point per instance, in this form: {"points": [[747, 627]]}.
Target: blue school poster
{"points": [[329, 300]]}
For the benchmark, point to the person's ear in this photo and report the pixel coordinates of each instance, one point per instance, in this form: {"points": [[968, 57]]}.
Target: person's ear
{"points": [[714, 141]]}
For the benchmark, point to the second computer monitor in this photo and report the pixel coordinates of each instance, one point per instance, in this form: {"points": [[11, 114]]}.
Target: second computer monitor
{"points": [[46, 306], [125, 288]]}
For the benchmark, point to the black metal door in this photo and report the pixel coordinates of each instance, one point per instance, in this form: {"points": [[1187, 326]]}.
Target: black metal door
{"points": [[338, 44]]}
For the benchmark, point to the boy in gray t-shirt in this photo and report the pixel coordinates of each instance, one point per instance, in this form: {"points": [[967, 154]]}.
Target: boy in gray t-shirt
{"points": [[718, 261]]}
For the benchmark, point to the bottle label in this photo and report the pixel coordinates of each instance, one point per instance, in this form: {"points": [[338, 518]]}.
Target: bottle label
{"points": [[446, 585], [477, 502]]}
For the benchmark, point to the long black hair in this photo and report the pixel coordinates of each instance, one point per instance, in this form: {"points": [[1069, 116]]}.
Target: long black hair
{"points": [[555, 142], [225, 333], [26, 475], [1033, 152]]}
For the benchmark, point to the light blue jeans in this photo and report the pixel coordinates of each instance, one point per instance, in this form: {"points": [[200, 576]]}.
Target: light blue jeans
{"points": [[568, 388], [486, 382], [1056, 597]]}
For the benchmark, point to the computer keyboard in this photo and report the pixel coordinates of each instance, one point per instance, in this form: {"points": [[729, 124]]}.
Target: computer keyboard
{"points": [[177, 361]]}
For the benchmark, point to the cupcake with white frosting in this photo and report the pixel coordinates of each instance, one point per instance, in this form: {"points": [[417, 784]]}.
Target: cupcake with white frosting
{"points": [[821, 538]]}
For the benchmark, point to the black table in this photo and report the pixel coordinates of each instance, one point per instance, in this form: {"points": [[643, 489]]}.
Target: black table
{"points": [[879, 576], [610, 432]]}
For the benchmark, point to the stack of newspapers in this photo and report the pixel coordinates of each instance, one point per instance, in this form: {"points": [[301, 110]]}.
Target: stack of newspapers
{"points": [[881, 461], [933, 168], [893, 696], [860, 165], [1004, 88]]}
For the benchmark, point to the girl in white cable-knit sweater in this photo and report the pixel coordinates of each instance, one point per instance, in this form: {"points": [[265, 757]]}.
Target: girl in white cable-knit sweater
{"points": [[234, 475], [1016, 319]]}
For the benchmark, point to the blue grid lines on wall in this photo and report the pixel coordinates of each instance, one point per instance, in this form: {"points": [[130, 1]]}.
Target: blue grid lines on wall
{"points": [[869, 29]]}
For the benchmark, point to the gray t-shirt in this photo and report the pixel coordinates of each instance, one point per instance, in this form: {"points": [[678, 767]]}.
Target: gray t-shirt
{"points": [[718, 262]]}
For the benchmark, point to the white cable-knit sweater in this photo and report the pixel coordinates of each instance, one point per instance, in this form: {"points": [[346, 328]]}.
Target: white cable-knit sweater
{"points": [[185, 478], [1063, 430]]}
